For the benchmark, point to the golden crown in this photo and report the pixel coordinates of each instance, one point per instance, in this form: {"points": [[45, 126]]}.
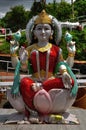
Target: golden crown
{"points": [[43, 18]]}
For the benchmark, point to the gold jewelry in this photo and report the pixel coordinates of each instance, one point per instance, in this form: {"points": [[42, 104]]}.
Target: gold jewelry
{"points": [[61, 57], [43, 74], [13, 55], [51, 37], [43, 18], [35, 37], [43, 49], [24, 63], [63, 70], [71, 54]]}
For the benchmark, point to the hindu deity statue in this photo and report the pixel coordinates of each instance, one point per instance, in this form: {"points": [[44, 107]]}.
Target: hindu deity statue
{"points": [[50, 87]]}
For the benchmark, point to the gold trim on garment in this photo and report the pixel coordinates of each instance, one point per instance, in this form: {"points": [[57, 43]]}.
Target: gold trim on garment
{"points": [[43, 74], [36, 47], [43, 49]]}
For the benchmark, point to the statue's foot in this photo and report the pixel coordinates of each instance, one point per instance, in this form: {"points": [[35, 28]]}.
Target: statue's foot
{"points": [[34, 118], [25, 121]]}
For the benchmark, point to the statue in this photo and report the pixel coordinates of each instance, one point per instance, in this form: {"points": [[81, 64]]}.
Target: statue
{"points": [[51, 87]]}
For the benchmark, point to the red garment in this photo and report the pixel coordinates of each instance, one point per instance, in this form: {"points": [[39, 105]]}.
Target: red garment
{"points": [[53, 57], [26, 83], [28, 93]]}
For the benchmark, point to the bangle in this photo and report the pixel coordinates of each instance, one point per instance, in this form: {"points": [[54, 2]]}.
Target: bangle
{"points": [[71, 54], [24, 63], [13, 55], [63, 70]]}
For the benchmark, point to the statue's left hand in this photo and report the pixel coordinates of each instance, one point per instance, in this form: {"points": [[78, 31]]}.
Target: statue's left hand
{"points": [[71, 47], [66, 80]]}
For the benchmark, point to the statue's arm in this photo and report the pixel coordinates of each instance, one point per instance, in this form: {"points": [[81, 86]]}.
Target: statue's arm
{"points": [[62, 68], [71, 55], [14, 46], [23, 54], [70, 48]]}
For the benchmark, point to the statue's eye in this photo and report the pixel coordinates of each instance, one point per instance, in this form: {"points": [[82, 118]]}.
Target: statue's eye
{"points": [[46, 28], [39, 28]]}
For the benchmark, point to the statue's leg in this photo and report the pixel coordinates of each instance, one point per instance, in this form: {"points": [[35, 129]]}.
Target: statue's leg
{"points": [[60, 96], [54, 83], [27, 92], [28, 95]]}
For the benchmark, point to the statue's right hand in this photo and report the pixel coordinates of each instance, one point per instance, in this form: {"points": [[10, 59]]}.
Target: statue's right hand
{"points": [[36, 87], [23, 54]]}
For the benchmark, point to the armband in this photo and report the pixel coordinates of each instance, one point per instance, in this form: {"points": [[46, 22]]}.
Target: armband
{"points": [[13, 55], [24, 62], [63, 70], [71, 54]]}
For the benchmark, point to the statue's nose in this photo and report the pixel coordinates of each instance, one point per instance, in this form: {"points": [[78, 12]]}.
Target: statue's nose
{"points": [[43, 31]]}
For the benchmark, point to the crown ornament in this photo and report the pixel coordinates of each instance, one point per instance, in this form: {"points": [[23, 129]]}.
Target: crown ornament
{"points": [[43, 18]]}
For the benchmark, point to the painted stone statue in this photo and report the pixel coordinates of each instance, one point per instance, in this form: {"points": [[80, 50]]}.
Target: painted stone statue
{"points": [[50, 87]]}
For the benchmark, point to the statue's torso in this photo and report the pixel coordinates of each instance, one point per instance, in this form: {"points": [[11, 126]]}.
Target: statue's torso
{"points": [[43, 60]]}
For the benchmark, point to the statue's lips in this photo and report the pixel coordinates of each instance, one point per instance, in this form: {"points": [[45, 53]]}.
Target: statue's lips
{"points": [[42, 35]]}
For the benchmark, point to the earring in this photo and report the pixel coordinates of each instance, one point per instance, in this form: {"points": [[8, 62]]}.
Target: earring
{"points": [[35, 37], [51, 37]]}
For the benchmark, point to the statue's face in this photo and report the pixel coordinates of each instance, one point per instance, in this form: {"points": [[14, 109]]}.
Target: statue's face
{"points": [[43, 32]]}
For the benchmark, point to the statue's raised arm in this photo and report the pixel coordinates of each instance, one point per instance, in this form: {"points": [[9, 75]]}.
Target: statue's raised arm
{"points": [[18, 53], [71, 49], [14, 46]]}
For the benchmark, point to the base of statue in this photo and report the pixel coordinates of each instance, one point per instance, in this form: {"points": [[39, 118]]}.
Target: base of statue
{"points": [[11, 116]]}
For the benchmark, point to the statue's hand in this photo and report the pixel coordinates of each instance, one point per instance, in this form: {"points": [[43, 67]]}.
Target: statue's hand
{"points": [[71, 47], [66, 80], [70, 44], [14, 46], [36, 87], [23, 54]]}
